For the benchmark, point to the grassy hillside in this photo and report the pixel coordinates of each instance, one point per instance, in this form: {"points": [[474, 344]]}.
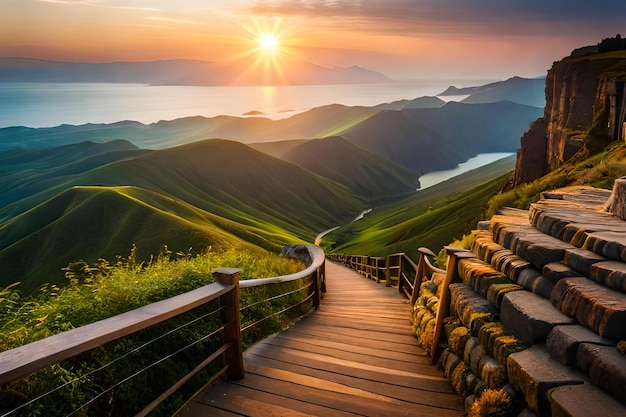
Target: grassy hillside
{"points": [[370, 175], [432, 217], [427, 140], [89, 223], [600, 171], [25, 172], [212, 193]]}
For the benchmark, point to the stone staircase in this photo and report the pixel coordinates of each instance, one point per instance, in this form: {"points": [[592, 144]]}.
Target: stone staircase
{"points": [[541, 309]]}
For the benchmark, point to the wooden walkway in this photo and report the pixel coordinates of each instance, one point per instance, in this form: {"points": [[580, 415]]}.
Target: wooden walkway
{"points": [[355, 356]]}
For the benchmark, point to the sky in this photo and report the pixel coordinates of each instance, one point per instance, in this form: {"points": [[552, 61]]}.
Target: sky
{"points": [[404, 39]]}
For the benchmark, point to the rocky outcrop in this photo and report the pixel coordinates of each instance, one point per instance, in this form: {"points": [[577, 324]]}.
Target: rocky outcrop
{"points": [[584, 111]]}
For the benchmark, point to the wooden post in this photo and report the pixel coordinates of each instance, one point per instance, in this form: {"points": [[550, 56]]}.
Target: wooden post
{"points": [[420, 273], [231, 321], [316, 289], [454, 254], [400, 272]]}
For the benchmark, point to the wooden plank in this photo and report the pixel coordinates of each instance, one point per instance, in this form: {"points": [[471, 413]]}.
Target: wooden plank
{"points": [[339, 400], [333, 356], [321, 330], [446, 399], [253, 402], [348, 347], [356, 370]]}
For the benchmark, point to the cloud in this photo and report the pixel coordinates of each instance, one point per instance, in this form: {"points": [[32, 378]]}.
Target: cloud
{"points": [[172, 20], [101, 4], [453, 16]]}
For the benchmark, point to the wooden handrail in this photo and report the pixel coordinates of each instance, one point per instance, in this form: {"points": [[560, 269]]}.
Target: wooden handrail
{"points": [[22, 361]]}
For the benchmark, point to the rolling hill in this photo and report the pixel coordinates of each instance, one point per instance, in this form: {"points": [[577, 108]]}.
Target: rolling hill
{"points": [[450, 134], [88, 223], [370, 175], [432, 217], [211, 193]]}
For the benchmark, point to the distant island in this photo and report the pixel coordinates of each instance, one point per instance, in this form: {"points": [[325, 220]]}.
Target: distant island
{"points": [[182, 72]]}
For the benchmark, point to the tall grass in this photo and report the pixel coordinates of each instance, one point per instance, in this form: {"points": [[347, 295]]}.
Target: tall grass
{"points": [[98, 291]]}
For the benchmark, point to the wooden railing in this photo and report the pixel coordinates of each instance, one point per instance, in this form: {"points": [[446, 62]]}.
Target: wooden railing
{"points": [[21, 362], [398, 269]]}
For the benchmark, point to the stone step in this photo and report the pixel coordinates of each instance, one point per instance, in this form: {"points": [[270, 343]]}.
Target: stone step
{"points": [[533, 281], [530, 317], [486, 280], [610, 273], [515, 268], [583, 401], [581, 260], [528, 243], [610, 244], [535, 373], [599, 308], [606, 367], [472, 309], [575, 216], [563, 342], [555, 271]]}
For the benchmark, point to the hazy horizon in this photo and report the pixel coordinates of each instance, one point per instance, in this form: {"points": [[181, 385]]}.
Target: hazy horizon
{"points": [[403, 39]]}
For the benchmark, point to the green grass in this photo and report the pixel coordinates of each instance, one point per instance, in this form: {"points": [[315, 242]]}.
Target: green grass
{"points": [[100, 290], [598, 171], [432, 217]]}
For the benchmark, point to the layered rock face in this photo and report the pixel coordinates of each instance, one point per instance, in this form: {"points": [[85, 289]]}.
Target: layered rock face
{"points": [[584, 111]]}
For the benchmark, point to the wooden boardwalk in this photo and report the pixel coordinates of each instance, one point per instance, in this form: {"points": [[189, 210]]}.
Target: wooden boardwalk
{"points": [[355, 356]]}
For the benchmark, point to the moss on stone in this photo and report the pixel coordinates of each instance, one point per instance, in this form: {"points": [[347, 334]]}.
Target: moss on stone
{"points": [[459, 377], [492, 403], [458, 338]]}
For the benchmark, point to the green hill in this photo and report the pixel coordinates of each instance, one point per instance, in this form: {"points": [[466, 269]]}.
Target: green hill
{"points": [[432, 217], [211, 193], [427, 140], [24, 172], [89, 223], [365, 173]]}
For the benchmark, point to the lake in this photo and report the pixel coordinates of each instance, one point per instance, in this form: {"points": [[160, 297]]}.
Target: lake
{"points": [[53, 104], [435, 177]]}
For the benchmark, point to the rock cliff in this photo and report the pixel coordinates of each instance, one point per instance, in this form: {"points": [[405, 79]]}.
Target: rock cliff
{"points": [[585, 109]]}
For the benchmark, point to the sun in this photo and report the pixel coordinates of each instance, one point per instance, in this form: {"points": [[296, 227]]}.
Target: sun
{"points": [[268, 42]]}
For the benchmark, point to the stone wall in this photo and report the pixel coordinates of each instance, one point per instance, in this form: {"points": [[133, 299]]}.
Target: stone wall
{"points": [[538, 316]]}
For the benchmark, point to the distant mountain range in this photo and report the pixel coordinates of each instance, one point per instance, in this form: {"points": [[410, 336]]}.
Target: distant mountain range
{"points": [[183, 72], [92, 191], [529, 91]]}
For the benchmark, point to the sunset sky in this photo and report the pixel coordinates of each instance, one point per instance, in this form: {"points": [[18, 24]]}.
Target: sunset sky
{"points": [[489, 39]]}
